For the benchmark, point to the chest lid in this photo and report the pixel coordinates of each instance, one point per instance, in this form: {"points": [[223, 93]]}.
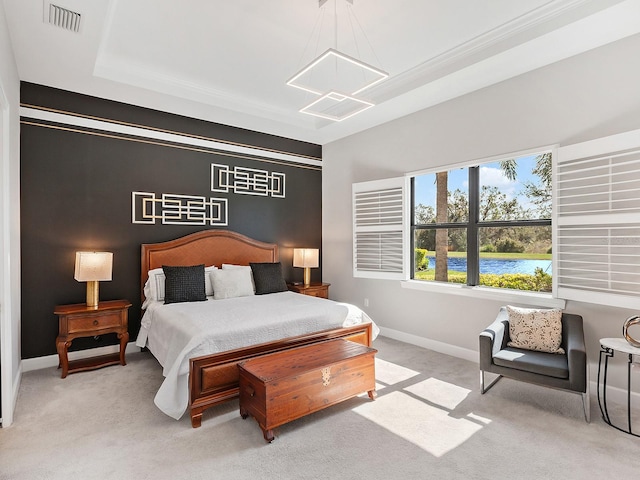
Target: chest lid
{"points": [[299, 360]]}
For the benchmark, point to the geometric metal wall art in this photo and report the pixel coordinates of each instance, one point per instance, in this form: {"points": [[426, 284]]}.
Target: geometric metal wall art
{"points": [[247, 181], [174, 209]]}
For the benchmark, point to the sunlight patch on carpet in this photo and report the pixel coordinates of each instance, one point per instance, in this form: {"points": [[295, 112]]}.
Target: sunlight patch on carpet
{"points": [[424, 425], [440, 393], [484, 420], [390, 373]]}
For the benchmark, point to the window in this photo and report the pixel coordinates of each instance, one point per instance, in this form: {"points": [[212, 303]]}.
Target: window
{"points": [[568, 225], [486, 224]]}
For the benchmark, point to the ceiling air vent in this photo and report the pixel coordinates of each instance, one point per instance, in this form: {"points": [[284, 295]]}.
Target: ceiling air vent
{"points": [[61, 17]]}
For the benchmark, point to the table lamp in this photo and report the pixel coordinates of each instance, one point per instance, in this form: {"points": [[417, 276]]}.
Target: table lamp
{"points": [[93, 267], [306, 258]]}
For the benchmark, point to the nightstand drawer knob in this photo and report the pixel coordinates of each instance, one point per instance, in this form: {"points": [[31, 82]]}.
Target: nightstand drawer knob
{"points": [[95, 323]]}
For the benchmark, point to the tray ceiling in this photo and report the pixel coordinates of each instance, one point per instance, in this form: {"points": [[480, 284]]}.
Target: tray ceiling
{"points": [[228, 61]]}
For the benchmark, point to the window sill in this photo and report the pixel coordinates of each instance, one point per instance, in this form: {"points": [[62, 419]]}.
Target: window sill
{"points": [[503, 295]]}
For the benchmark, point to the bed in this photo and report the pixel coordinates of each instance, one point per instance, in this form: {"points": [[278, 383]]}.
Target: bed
{"points": [[199, 356]]}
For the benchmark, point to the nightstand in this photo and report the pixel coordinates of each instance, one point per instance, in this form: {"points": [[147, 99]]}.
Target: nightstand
{"points": [[315, 289], [79, 320]]}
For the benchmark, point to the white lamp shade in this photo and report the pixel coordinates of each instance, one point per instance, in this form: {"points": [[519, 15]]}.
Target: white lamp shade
{"points": [[305, 257], [93, 266]]}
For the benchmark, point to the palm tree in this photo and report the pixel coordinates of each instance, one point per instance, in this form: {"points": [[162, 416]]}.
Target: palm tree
{"points": [[540, 195], [442, 234], [543, 169]]}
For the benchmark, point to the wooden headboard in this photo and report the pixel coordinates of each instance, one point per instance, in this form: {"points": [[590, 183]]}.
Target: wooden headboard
{"points": [[210, 247]]}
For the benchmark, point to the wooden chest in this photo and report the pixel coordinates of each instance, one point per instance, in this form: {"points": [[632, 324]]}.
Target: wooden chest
{"points": [[283, 386]]}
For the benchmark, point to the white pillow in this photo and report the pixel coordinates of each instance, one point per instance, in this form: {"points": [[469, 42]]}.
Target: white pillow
{"points": [[229, 266], [231, 282], [535, 329], [208, 284], [154, 287]]}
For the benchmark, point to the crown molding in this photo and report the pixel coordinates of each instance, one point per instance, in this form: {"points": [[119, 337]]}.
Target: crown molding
{"points": [[537, 22]]}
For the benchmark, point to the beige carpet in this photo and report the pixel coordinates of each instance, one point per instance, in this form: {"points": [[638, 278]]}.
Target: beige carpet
{"points": [[429, 422]]}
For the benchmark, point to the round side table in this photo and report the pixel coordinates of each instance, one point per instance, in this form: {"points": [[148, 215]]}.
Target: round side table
{"points": [[608, 346]]}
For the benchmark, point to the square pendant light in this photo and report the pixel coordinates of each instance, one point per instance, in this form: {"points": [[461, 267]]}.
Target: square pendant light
{"points": [[336, 106], [334, 71]]}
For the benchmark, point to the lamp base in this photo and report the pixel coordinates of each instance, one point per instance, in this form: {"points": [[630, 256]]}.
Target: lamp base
{"points": [[307, 276], [92, 293]]}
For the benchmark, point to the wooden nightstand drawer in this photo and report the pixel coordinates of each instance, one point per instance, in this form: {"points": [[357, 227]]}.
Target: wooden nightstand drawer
{"points": [[314, 290], [94, 323]]}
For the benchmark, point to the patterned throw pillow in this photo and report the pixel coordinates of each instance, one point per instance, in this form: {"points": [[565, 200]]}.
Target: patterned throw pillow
{"points": [[184, 284], [268, 278], [534, 329]]}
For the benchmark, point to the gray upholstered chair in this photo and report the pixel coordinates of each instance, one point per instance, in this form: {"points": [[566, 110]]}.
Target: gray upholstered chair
{"points": [[567, 372]]}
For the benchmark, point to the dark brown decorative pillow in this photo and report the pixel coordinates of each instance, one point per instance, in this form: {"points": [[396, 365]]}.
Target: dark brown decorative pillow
{"points": [[184, 284], [268, 278]]}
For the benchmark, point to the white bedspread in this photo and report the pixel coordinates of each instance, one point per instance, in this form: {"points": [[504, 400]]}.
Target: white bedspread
{"points": [[179, 331]]}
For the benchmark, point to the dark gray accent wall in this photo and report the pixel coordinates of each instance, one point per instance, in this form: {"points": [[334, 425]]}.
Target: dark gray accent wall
{"points": [[76, 188]]}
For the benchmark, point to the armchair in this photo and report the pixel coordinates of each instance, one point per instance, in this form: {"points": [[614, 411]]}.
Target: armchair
{"points": [[566, 372]]}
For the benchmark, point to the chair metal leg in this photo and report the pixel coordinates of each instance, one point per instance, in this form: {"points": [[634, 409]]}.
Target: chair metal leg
{"points": [[586, 401], [483, 390], [586, 405]]}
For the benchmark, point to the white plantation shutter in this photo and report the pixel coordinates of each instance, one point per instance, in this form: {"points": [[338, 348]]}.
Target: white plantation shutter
{"points": [[597, 223], [380, 229]]}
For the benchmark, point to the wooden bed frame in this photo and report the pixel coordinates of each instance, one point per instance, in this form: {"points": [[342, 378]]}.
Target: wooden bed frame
{"points": [[213, 379]]}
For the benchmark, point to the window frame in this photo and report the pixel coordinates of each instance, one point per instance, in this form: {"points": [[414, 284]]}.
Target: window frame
{"points": [[472, 225]]}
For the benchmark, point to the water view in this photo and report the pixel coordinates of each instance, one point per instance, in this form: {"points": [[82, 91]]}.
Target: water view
{"points": [[497, 265]]}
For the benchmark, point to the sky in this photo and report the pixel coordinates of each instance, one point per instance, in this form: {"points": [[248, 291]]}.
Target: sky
{"points": [[490, 174]]}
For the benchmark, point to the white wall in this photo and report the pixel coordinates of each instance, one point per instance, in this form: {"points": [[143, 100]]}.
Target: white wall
{"points": [[9, 224], [588, 96]]}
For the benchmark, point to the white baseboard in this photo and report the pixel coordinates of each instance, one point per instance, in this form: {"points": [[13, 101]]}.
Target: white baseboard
{"points": [[614, 394], [618, 396], [38, 363], [434, 345]]}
